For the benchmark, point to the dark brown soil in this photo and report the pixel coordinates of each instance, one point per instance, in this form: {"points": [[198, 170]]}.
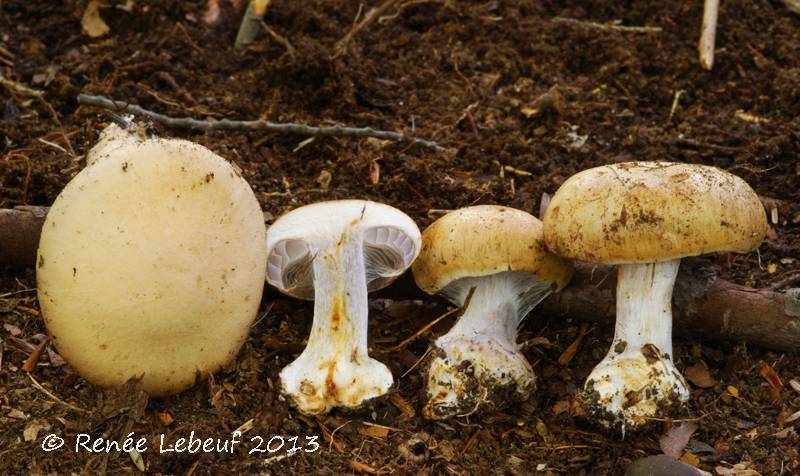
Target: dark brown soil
{"points": [[460, 73]]}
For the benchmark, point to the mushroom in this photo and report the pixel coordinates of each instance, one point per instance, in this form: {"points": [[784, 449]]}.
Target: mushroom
{"points": [[151, 264], [492, 261], [335, 253], [645, 217]]}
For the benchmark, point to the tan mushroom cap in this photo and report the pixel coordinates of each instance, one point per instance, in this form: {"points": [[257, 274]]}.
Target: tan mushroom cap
{"points": [[485, 240], [644, 212], [151, 262]]}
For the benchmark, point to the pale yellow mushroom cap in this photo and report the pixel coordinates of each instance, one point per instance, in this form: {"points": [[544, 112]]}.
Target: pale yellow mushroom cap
{"points": [[483, 240], [151, 262], [643, 212]]}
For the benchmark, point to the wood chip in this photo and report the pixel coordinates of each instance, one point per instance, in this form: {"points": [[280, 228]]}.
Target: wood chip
{"points": [[699, 375], [402, 405], [91, 21], [374, 431]]}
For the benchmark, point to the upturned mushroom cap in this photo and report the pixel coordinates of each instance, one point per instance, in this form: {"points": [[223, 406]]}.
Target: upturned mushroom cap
{"points": [[483, 240], [151, 263], [642, 212], [391, 242]]}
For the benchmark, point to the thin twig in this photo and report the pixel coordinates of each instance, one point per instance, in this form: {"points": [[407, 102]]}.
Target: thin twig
{"points": [[423, 330], [675, 102], [607, 26], [427, 351], [427, 326], [372, 15], [279, 38], [53, 397], [708, 33], [260, 125]]}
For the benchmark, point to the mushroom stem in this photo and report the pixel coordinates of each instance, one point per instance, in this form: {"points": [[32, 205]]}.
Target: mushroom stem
{"points": [[334, 369], [637, 379], [644, 307], [478, 362]]}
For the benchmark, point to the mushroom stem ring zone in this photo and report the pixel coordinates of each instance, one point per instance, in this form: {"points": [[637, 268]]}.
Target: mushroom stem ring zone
{"points": [[335, 253]]}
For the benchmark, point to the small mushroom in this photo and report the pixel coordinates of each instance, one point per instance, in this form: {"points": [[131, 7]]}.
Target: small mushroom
{"points": [[645, 217], [494, 258], [335, 253], [151, 263]]}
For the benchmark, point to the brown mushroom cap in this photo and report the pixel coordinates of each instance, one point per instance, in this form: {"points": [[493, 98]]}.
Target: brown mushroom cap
{"points": [[644, 212], [151, 262], [484, 240]]}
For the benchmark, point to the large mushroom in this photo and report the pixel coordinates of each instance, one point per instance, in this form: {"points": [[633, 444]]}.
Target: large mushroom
{"points": [[151, 263], [335, 253], [492, 260], [645, 217]]}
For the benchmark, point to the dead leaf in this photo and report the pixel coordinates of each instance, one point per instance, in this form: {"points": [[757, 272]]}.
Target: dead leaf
{"points": [[794, 416], [91, 22], [32, 429], [55, 359], [795, 384], [165, 418], [551, 101], [732, 391], [33, 359], [674, 441], [772, 268], [542, 430], [13, 330], [785, 433], [699, 375], [17, 414], [739, 469], [137, 459], [362, 468], [774, 381], [324, 179], [690, 459]]}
